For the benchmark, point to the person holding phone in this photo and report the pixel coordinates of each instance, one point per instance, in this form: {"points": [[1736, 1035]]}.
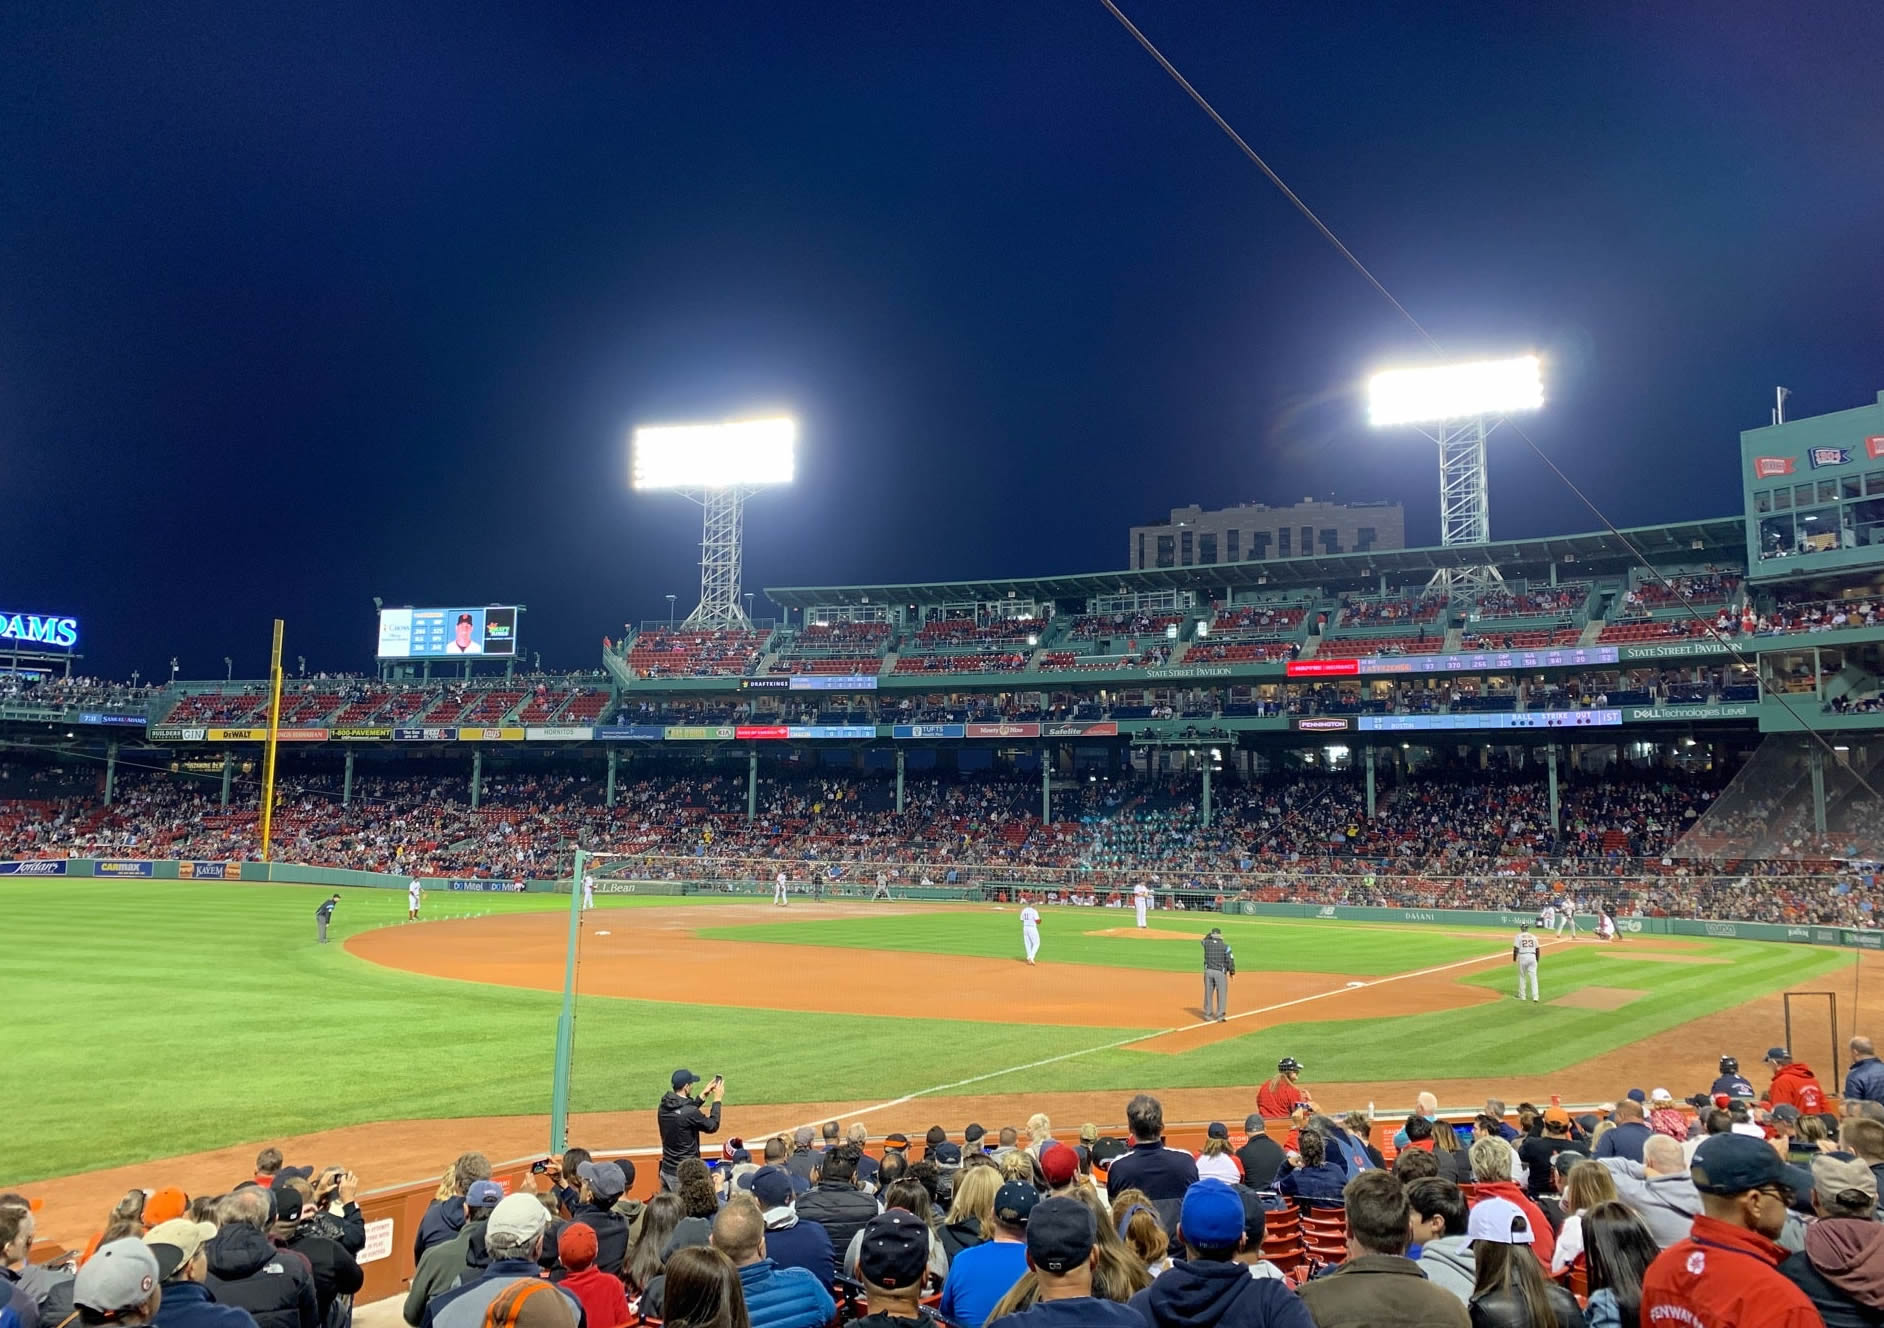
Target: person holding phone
{"points": [[682, 1121]]}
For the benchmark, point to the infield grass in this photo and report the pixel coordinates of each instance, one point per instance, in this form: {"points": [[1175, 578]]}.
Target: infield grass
{"points": [[157, 1018]]}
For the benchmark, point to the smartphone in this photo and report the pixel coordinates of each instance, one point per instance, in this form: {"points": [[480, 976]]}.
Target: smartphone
{"points": [[539, 1167]]}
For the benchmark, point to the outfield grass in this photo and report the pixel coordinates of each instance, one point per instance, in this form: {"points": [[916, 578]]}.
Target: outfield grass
{"points": [[154, 1018], [1065, 938]]}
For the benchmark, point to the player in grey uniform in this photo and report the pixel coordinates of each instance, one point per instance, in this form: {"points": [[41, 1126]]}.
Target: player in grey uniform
{"points": [[1219, 968], [1568, 917], [1524, 955]]}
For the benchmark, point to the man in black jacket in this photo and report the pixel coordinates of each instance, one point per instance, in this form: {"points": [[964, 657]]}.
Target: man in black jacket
{"points": [[836, 1204], [1261, 1156], [275, 1286], [602, 1186], [1164, 1174], [682, 1122], [315, 1236]]}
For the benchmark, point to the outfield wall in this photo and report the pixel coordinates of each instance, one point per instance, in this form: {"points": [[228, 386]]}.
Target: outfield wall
{"points": [[277, 873], [1856, 938]]}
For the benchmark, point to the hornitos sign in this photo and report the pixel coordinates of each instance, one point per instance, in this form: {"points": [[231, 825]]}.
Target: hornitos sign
{"points": [[42, 629]]}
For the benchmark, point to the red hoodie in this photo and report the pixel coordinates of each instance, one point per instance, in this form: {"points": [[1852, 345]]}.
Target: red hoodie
{"points": [[1544, 1244], [603, 1303], [1725, 1277], [1795, 1083]]}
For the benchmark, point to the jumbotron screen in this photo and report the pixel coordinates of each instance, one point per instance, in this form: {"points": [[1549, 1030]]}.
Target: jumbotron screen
{"points": [[447, 633]]}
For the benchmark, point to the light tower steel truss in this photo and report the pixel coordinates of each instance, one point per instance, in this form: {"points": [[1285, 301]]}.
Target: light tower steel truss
{"points": [[1464, 498], [721, 534]]}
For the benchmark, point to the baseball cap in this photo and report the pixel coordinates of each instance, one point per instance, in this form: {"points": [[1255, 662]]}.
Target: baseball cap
{"points": [[1734, 1164], [974, 1134], [1088, 1133], [292, 1173], [1499, 1222], [895, 1249], [1637, 1095], [604, 1178], [287, 1205], [897, 1140], [576, 1246], [684, 1077], [162, 1205], [772, 1187], [1060, 1234], [483, 1194], [1661, 1095], [1059, 1164], [1778, 1054], [1211, 1217], [119, 1277], [464, 617], [1786, 1111], [176, 1242], [734, 1150], [1217, 1130], [1722, 1101], [1556, 1116], [1835, 1175], [520, 1218], [1013, 1203]]}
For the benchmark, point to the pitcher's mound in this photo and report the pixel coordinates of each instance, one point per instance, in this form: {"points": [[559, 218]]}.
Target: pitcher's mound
{"points": [[1154, 933], [1600, 998]]}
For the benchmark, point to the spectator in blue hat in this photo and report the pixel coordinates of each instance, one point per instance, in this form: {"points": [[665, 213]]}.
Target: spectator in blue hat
{"points": [[792, 1241], [460, 1259], [1208, 1287], [980, 1275]]}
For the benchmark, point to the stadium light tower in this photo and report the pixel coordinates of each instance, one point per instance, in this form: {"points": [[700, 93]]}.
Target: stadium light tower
{"points": [[719, 466], [1458, 406]]}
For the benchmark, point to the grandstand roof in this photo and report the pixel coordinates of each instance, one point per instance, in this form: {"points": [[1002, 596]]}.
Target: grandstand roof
{"points": [[1596, 554]]}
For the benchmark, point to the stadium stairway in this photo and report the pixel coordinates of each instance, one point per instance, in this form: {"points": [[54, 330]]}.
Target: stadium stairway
{"points": [[1455, 640], [1591, 630]]}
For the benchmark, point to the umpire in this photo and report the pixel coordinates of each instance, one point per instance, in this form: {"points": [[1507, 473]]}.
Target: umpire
{"points": [[1219, 968]]}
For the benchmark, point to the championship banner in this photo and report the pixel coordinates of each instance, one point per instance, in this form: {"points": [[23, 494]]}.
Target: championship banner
{"points": [[1004, 730], [928, 730], [1874, 446], [121, 867], [698, 733], [428, 735], [1106, 729], [1828, 456], [558, 733], [1767, 468], [832, 731], [360, 735], [631, 732], [491, 735], [208, 871], [34, 867], [765, 731], [1322, 668]]}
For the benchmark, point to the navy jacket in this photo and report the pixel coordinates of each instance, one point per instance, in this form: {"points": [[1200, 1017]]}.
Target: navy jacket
{"points": [[1625, 1140], [1865, 1080], [1733, 1086], [804, 1244], [1162, 1173], [1219, 1295], [275, 1286], [1085, 1312], [189, 1305], [1322, 1184], [443, 1220]]}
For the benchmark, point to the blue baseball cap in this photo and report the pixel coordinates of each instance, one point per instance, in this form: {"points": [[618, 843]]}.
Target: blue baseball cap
{"points": [[1212, 1216], [483, 1194], [684, 1077], [1736, 1163]]}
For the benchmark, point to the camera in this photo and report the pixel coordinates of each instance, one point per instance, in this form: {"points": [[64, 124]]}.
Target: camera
{"points": [[537, 1168]]}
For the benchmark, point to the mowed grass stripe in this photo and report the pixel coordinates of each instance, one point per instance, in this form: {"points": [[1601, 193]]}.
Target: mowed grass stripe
{"points": [[988, 933]]}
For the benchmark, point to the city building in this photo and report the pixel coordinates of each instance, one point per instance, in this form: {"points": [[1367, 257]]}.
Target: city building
{"points": [[1256, 532]]}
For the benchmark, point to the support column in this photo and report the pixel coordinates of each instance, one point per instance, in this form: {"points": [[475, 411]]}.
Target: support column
{"points": [[1046, 786], [1370, 781], [752, 785], [111, 773], [614, 759], [899, 781], [1818, 787], [477, 778], [346, 782], [1206, 787], [1550, 770], [228, 777]]}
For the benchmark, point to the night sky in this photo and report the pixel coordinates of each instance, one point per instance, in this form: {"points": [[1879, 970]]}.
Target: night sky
{"points": [[305, 304]]}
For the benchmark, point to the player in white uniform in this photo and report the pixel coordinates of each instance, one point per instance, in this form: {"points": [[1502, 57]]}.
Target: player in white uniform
{"points": [[414, 893], [588, 891], [778, 890], [1141, 900], [1030, 931], [1547, 920], [1605, 923], [1567, 918], [1524, 954]]}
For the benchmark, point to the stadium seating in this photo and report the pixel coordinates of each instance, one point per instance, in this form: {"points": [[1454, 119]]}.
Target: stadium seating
{"points": [[961, 662], [689, 653], [1360, 647]]}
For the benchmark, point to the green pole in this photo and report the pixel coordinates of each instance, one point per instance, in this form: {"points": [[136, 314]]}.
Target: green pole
{"points": [[899, 781], [111, 773], [1206, 788], [566, 1021], [1046, 787], [1370, 782], [346, 782], [1550, 771], [752, 785], [228, 775], [614, 757]]}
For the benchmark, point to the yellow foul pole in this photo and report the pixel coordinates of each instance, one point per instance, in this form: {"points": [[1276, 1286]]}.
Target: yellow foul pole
{"points": [[268, 753]]}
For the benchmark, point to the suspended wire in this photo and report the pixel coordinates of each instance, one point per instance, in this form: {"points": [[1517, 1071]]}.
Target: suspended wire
{"points": [[1327, 233]]}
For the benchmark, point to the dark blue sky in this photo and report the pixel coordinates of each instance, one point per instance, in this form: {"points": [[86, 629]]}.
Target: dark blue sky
{"points": [[304, 304]]}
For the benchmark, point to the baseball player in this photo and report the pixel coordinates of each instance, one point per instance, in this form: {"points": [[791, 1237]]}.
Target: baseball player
{"points": [[778, 890], [414, 893], [588, 891], [1141, 900], [1030, 931], [1605, 923], [1219, 968], [1568, 917], [1524, 955], [324, 915], [1547, 920], [883, 887]]}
